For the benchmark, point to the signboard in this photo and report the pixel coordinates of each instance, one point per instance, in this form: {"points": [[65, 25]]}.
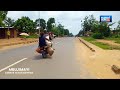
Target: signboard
{"points": [[105, 18]]}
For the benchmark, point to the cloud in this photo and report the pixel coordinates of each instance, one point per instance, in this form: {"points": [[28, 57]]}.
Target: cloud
{"points": [[18, 14]]}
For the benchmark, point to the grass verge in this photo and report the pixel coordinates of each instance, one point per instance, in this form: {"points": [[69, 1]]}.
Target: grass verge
{"points": [[100, 44], [116, 40]]}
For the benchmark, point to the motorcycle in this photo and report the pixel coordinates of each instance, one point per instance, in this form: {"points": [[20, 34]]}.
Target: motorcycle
{"points": [[44, 53], [47, 50]]}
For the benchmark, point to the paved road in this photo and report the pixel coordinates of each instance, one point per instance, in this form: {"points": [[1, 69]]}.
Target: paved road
{"points": [[62, 65]]}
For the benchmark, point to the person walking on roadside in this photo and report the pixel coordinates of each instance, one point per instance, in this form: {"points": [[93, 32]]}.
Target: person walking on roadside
{"points": [[8, 34]]}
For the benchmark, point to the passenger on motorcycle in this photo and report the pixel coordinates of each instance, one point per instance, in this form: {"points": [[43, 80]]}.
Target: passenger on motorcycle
{"points": [[44, 40], [45, 44]]}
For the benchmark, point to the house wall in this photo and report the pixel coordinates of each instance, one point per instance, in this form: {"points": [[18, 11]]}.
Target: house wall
{"points": [[3, 33], [11, 33], [15, 33]]}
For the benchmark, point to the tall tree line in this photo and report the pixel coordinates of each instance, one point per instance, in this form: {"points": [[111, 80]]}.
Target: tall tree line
{"points": [[25, 24], [97, 29]]}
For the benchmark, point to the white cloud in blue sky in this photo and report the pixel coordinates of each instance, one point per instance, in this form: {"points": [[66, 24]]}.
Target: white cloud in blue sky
{"points": [[70, 19]]}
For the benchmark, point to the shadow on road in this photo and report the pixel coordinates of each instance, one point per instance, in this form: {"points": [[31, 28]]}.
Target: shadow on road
{"points": [[39, 57]]}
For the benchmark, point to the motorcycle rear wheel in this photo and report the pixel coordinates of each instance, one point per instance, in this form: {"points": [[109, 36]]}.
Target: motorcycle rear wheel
{"points": [[44, 55]]}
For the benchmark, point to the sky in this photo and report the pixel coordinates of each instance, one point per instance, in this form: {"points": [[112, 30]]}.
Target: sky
{"points": [[69, 19]]}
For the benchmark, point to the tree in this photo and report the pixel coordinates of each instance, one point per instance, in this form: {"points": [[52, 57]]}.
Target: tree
{"points": [[86, 25], [91, 25], [71, 35], [118, 29], [25, 25], [80, 33], [55, 30], [66, 32], [9, 22], [50, 24], [3, 15], [42, 23], [61, 29]]}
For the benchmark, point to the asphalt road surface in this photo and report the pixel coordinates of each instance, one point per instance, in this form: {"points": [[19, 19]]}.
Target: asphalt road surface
{"points": [[62, 65]]}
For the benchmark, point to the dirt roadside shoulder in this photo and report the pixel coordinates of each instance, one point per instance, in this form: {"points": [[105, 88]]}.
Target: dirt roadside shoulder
{"points": [[15, 43], [99, 62], [16, 46], [108, 42]]}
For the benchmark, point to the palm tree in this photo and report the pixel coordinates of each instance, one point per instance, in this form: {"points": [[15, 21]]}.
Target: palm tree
{"points": [[9, 22]]}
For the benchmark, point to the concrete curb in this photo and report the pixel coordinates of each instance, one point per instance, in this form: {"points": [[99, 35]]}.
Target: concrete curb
{"points": [[86, 45], [10, 44], [115, 69]]}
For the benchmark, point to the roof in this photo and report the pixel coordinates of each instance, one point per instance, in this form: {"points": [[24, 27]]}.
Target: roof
{"points": [[6, 27], [38, 27]]}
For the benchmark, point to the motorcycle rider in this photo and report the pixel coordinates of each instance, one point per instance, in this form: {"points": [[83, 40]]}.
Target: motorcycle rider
{"points": [[45, 44], [44, 41], [48, 39]]}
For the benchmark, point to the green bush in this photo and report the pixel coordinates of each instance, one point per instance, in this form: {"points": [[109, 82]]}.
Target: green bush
{"points": [[33, 36], [88, 39], [23, 36], [97, 36], [115, 36]]}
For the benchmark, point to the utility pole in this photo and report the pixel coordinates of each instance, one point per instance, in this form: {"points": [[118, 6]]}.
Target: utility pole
{"points": [[39, 23], [63, 32], [58, 30]]}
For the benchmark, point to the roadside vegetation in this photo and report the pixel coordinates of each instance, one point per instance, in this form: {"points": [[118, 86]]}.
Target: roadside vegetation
{"points": [[100, 44], [92, 30], [25, 25]]}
